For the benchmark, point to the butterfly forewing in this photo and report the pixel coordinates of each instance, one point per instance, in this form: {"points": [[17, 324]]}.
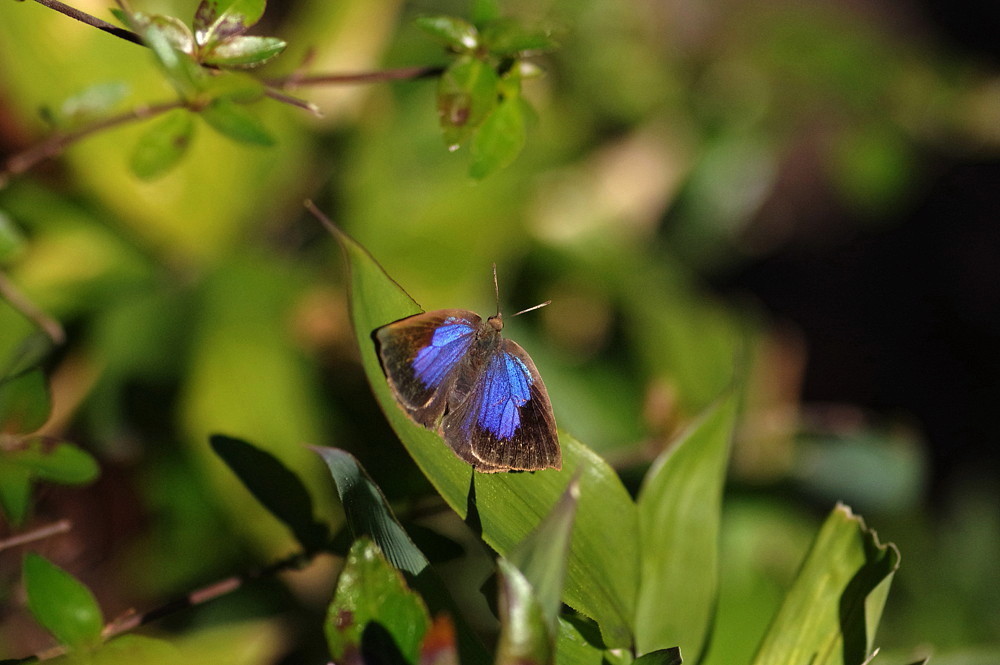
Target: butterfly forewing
{"points": [[421, 356]]}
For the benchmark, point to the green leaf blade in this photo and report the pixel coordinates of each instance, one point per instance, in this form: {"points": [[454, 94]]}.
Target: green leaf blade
{"points": [[62, 462], [602, 572], [501, 137], [60, 603], [163, 145], [234, 121], [451, 31], [524, 634], [680, 505], [467, 95], [244, 51], [830, 614], [217, 20], [671, 656], [15, 490], [374, 616], [275, 486]]}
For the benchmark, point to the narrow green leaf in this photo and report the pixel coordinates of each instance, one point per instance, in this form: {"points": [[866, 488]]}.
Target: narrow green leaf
{"points": [[171, 49], [58, 462], [601, 579], [374, 616], [163, 145], [451, 31], [368, 513], [524, 636], [218, 20], [830, 614], [541, 557], [507, 37], [15, 489], [680, 506], [244, 51], [671, 656], [467, 94], [63, 606], [11, 239], [276, 487], [575, 645], [501, 138], [236, 122]]}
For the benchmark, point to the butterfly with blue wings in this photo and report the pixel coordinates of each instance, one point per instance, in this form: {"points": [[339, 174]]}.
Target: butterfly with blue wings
{"points": [[456, 375]]}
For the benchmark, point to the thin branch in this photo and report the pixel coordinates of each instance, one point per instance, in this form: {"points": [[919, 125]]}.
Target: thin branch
{"points": [[84, 17], [41, 533], [21, 303], [59, 141], [400, 74], [132, 620]]}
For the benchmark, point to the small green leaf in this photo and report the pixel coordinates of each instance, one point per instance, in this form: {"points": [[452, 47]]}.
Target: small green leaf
{"points": [[172, 50], [90, 103], [24, 402], [830, 614], [374, 616], [680, 509], [64, 606], [174, 30], [218, 20], [368, 513], [451, 31], [163, 145], [541, 557], [501, 138], [236, 87], [60, 462], [11, 240], [467, 93], [671, 656], [524, 635], [243, 51], [28, 355], [234, 121], [15, 489], [275, 486], [506, 37]]}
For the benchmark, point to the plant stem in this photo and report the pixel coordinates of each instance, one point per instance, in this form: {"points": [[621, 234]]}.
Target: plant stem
{"points": [[399, 74], [84, 17], [58, 142], [41, 533]]}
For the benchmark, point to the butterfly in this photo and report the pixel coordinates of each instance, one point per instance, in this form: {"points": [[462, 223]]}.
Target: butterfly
{"points": [[456, 375]]}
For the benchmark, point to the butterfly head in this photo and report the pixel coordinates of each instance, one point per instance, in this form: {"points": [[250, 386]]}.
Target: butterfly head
{"points": [[496, 321]]}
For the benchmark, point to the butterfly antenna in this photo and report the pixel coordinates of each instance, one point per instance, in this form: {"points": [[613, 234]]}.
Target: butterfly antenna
{"points": [[496, 288], [531, 309]]}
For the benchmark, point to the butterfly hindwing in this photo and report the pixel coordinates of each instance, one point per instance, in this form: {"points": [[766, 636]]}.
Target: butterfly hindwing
{"points": [[500, 410], [422, 356]]}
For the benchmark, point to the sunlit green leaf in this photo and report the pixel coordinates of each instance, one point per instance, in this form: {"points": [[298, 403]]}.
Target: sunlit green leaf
{"points": [[578, 643], [275, 486], [541, 557], [680, 507], [524, 635], [163, 145], [467, 93], [170, 41], [218, 20], [501, 138], [64, 606], [601, 579], [830, 614], [451, 31], [374, 617], [244, 51], [236, 122]]}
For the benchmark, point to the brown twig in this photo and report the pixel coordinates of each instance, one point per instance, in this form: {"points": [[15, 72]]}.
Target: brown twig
{"points": [[84, 17], [56, 143], [41, 533], [21, 303], [399, 74]]}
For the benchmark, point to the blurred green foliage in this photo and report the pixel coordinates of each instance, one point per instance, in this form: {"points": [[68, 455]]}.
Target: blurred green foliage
{"points": [[205, 301]]}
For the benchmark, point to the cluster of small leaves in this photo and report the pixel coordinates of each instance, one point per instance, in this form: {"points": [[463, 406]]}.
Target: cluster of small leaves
{"points": [[27, 457], [479, 94], [202, 63]]}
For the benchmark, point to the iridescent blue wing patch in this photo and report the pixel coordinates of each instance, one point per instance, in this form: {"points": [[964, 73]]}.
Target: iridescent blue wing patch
{"points": [[422, 356], [501, 412]]}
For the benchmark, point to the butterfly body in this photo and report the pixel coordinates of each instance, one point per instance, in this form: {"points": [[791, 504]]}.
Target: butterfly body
{"points": [[455, 374]]}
